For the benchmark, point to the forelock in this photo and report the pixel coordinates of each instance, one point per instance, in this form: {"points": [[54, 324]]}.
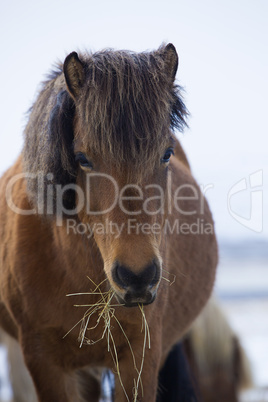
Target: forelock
{"points": [[128, 105]]}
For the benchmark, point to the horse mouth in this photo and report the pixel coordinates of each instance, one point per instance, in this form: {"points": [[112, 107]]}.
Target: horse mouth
{"points": [[135, 289], [130, 300]]}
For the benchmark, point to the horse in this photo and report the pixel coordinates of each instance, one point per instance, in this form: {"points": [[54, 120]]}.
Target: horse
{"points": [[219, 368], [218, 362], [175, 381], [107, 244]]}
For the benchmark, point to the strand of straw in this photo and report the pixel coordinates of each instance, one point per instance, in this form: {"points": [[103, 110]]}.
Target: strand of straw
{"points": [[106, 311], [169, 280]]}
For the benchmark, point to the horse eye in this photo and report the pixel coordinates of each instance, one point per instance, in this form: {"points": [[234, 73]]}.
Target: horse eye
{"points": [[167, 155], [83, 160]]}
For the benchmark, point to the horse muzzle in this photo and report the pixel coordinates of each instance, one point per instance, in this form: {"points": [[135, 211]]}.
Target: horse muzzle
{"points": [[136, 288]]}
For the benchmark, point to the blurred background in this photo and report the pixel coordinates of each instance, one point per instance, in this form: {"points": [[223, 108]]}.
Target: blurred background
{"points": [[222, 48]]}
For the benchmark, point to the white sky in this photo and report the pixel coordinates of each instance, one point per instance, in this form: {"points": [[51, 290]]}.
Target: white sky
{"points": [[223, 53]]}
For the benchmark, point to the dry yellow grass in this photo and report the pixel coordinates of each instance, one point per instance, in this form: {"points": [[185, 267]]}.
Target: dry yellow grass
{"points": [[106, 312]]}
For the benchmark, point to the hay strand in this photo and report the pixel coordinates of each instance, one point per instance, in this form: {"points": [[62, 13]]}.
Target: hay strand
{"points": [[105, 311], [172, 277]]}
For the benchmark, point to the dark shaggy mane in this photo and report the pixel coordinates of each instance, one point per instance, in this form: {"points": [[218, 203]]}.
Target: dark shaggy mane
{"points": [[55, 71], [126, 110], [128, 105], [179, 113]]}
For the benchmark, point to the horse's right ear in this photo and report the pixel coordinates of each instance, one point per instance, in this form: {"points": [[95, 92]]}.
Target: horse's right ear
{"points": [[74, 74], [171, 60]]}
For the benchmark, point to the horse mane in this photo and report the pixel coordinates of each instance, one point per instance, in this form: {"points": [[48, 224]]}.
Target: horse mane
{"points": [[128, 104], [126, 112]]}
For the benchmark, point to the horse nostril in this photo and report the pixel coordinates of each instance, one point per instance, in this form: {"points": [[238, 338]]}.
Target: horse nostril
{"points": [[126, 279], [122, 276]]}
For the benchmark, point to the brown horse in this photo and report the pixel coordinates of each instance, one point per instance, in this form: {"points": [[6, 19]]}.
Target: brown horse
{"points": [[218, 361], [97, 193]]}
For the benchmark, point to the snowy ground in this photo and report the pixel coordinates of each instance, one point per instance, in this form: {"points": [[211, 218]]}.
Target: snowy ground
{"points": [[5, 390], [242, 288]]}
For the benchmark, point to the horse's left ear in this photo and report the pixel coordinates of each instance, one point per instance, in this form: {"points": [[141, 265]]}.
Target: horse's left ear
{"points": [[171, 60], [74, 74]]}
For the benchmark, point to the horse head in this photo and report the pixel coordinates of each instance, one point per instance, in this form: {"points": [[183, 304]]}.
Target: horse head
{"points": [[110, 135]]}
